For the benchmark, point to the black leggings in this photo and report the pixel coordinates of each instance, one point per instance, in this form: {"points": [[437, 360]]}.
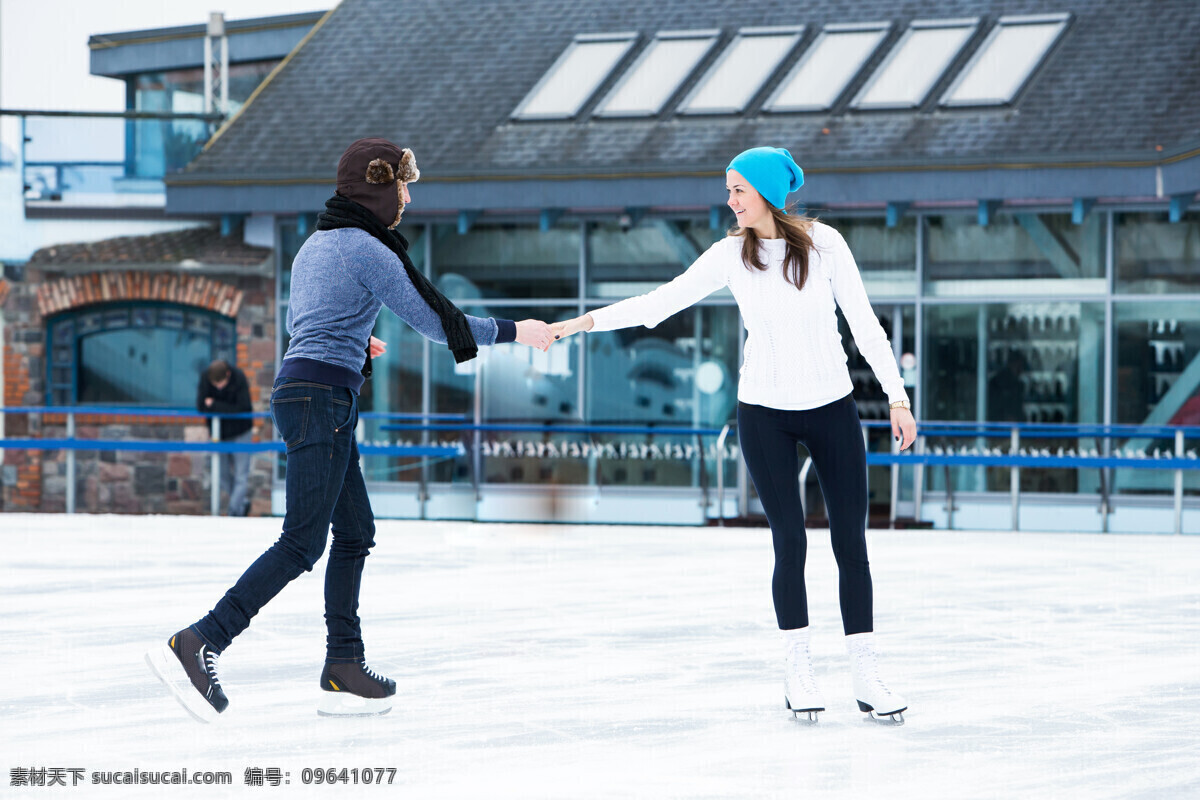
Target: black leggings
{"points": [[833, 436]]}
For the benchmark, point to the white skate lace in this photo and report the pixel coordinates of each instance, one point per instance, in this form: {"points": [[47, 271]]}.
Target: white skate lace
{"points": [[868, 673], [373, 674], [210, 666], [806, 678]]}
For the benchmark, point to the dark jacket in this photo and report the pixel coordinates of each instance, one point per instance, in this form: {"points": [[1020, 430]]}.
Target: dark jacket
{"points": [[233, 399]]}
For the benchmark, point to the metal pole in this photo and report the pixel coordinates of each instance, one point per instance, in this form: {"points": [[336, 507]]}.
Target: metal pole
{"points": [[895, 485], [1014, 478], [867, 519], [803, 479], [1179, 484], [214, 506], [721, 474], [918, 478], [71, 464], [476, 455]]}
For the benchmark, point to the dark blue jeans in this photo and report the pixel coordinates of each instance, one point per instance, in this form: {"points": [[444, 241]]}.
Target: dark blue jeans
{"points": [[833, 436], [324, 485]]}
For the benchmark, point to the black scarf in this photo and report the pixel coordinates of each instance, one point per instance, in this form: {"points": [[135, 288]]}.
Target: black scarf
{"points": [[343, 213]]}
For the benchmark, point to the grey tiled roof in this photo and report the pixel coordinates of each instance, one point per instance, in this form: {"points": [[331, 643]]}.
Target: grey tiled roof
{"points": [[203, 245], [443, 78]]}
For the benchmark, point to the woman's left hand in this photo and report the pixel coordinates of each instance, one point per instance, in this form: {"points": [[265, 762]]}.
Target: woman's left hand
{"points": [[378, 347], [904, 427]]}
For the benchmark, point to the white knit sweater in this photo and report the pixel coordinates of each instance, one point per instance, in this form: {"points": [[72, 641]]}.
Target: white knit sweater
{"points": [[794, 357]]}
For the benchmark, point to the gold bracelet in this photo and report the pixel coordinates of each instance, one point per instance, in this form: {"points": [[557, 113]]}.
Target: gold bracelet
{"points": [[900, 404]]}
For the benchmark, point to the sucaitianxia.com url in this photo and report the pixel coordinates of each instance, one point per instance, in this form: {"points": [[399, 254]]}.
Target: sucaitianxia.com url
{"points": [[73, 776]]}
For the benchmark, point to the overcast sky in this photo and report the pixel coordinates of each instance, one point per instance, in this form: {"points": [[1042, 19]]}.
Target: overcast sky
{"points": [[43, 43]]}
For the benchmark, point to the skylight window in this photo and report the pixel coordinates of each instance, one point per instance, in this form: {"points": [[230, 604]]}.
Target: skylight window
{"points": [[741, 70], [658, 73], [1013, 50], [575, 76], [916, 63], [820, 77]]}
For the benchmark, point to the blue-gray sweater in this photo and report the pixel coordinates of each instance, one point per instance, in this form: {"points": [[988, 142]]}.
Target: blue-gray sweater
{"points": [[340, 280]]}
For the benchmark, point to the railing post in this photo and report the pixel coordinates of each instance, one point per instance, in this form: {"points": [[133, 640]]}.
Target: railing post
{"points": [[867, 478], [71, 464], [918, 478], [720, 458], [803, 480], [1179, 484], [895, 485], [215, 504], [1014, 479]]}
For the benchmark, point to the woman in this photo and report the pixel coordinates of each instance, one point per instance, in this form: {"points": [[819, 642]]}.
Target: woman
{"points": [[354, 264], [788, 273]]}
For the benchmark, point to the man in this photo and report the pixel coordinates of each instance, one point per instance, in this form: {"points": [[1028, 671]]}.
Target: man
{"points": [[347, 270], [224, 390]]}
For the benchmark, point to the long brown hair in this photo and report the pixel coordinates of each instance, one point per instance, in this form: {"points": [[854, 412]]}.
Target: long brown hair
{"points": [[796, 230]]}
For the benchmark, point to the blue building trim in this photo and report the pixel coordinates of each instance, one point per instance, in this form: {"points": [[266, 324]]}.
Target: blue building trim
{"points": [[824, 188]]}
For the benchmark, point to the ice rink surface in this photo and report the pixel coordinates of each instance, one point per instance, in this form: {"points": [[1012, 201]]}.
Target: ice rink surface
{"points": [[544, 661]]}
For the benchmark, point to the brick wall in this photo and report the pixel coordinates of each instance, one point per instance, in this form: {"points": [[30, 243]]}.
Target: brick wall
{"points": [[127, 482]]}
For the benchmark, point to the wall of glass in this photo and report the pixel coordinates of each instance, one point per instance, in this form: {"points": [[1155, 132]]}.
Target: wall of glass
{"points": [[1015, 324], [157, 148], [1157, 382], [1015, 254], [1157, 256], [1021, 361]]}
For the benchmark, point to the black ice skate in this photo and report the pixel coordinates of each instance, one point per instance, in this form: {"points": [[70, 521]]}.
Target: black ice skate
{"points": [[353, 690], [188, 667]]}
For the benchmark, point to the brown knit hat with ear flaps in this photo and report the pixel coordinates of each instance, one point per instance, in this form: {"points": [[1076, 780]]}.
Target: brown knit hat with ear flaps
{"points": [[371, 173]]}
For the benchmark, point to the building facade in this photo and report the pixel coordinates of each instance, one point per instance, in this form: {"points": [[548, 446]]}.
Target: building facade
{"points": [[1021, 203]]}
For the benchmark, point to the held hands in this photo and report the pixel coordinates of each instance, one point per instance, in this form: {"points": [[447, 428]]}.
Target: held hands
{"points": [[904, 427], [534, 333], [378, 347], [562, 330]]}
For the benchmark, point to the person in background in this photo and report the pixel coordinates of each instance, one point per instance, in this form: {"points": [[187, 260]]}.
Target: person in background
{"points": [[225, 390]]}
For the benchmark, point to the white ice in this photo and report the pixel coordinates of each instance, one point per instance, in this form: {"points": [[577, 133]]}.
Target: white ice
{"points": [[565, 661]]}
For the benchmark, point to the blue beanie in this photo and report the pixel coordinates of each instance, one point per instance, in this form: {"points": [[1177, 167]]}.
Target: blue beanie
{"points": [[771, 171]]}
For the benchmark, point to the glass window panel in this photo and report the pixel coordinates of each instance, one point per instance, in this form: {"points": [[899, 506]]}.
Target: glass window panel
{"points": [[507, 262], [1021, 362], [826, 69], [90, 323], [1157, 256], [142, 367], [1016, 254], [740, 73], [656, 75], [168, 318], [143, 317], [572, 79], [1157, 382], [886, 257], [915, 65], [200, 324], [118, 318], [681, 373], [623, 262], [1004, 62], [64, 332]]}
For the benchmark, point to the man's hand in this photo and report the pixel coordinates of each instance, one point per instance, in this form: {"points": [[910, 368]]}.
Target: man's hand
{"points": [[904, 427], [561, 330], [534, 333], [208, 402], [378, 347]]}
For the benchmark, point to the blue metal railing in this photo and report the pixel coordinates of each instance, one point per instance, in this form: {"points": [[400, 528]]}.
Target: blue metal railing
{"points": [[1179, 459]]}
